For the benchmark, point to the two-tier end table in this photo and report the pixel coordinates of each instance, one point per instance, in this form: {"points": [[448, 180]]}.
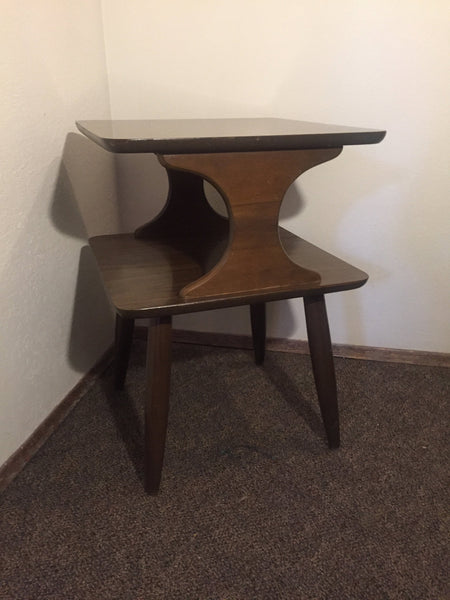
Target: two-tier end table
{"points": [[190, 259]]}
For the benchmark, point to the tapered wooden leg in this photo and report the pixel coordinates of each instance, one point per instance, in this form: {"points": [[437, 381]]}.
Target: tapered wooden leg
{"points": [[323, 365], [122, 348], [258, 321], [157, 401]]}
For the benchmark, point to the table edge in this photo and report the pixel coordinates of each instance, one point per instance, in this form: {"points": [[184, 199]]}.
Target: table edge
{"points": [[209, 145]]}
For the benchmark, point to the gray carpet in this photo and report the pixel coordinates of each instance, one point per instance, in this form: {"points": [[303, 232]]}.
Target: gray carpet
{"points": [[252, 505]]}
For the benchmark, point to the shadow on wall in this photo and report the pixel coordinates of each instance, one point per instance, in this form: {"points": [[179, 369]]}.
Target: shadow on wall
{"points": [[142, 188], [92, 317], [84, 204]]}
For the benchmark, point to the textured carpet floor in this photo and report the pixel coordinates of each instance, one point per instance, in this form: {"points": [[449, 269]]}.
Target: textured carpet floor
{"points": [[253, 505]]}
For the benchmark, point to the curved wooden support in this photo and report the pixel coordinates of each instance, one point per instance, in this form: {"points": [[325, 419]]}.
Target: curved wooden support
{"points": [[253, 185]]}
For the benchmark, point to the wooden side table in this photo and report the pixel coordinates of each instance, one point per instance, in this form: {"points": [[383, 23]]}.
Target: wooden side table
{"points": [[191, 259]]}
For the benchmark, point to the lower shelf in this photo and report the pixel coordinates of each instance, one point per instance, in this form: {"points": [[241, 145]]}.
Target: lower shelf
{"points": [[143, 277]]}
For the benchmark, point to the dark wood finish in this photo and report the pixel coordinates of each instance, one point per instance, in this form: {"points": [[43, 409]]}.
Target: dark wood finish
{"points": [[190, 259], [253, 185], [157, 402], [323, 365], [122, 348], [258, 323], [144, 277], [221, 135]]}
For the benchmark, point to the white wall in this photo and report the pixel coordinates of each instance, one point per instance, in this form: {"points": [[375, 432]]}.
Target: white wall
{"points": [[53, 322], [377, 64]]}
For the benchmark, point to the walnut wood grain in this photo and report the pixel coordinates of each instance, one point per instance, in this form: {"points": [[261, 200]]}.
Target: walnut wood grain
{"points": [[144, 277], [253, 185]]}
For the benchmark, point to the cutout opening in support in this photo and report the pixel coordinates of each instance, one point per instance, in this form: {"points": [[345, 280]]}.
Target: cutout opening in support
{"points": [[188, 222]]}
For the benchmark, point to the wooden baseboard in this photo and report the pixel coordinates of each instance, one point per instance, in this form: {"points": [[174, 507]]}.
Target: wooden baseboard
{"points": [[227, 340], [22, 455]]}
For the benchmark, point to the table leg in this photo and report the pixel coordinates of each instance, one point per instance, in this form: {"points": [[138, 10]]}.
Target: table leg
{"points": [[122, 348], [157, 402], [258, 322], [253, 185], [323, 365]]}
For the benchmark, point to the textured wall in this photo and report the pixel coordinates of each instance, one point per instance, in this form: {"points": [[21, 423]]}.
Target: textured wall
{"points": [[376, 64], [53, 322]]}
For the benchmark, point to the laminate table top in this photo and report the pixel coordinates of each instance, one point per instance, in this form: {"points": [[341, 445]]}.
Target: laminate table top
{"points": [[186, 136]]}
